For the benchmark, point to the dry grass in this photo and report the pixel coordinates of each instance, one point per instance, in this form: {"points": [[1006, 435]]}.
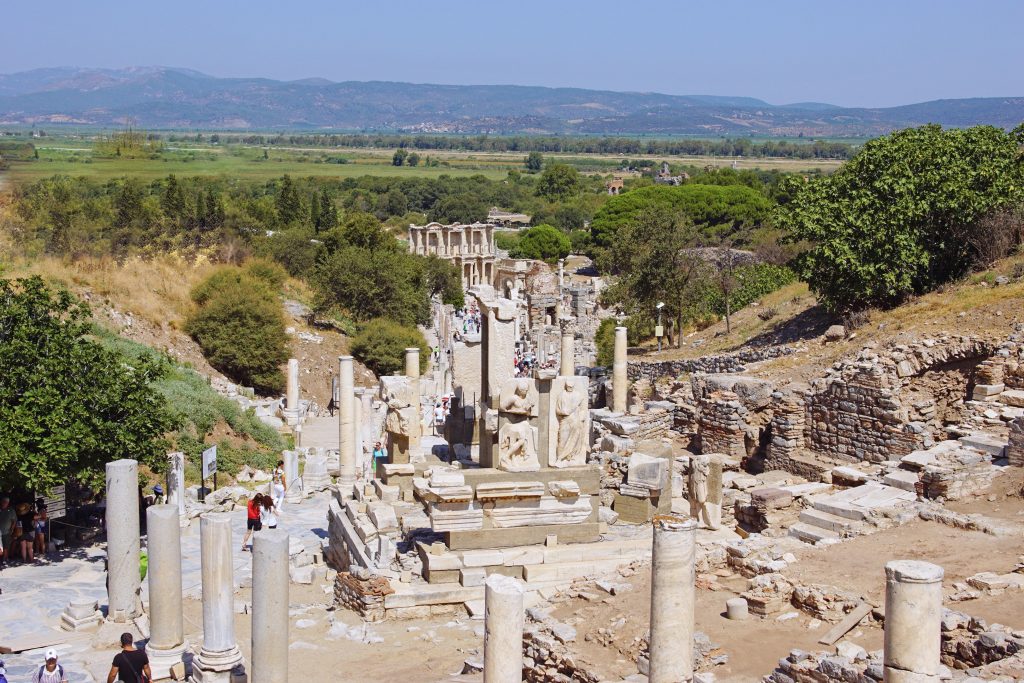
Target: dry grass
{"points": [[156, 289]]}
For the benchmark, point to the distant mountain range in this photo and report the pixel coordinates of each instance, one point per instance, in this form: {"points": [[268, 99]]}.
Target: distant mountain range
{"points": [[169, 98]]}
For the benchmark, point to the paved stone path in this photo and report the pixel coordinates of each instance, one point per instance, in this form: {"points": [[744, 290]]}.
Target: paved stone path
{"points": [[33, 596]]}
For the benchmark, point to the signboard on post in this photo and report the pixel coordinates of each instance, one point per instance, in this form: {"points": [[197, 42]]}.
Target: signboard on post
{"points": [[659, 331], [209, 462], [56, 502]]}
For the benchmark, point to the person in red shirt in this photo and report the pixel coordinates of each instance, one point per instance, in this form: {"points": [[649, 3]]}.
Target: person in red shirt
{"points": [[252, 521]]}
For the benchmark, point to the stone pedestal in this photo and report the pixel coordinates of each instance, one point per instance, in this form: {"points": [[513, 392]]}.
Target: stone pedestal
{"points": [[270, 607], [293, 492], [347, 426], [503, 629], [219, 656], [913, 621], [166, 645], [315, 476], [672, 600], [620, 381], [122, 522], [81, 615]]}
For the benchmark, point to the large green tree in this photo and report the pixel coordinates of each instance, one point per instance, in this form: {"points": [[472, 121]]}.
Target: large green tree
{"points": [[905, 214], [716, 209], [558, 182], [67, 405], [655, 262], [542, 242]]}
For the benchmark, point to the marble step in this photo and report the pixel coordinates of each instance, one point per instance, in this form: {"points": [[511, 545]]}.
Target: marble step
{"points": [[812, 534], [828, 521], [839, 509]]}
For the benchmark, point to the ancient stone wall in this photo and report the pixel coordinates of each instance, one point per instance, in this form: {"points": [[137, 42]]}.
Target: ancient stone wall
{"points": [[726, 363], [720, 425]]}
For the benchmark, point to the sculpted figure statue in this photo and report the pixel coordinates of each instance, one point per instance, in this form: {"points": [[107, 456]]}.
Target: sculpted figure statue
{"points": [[518, 401], [517, 448], [571, 439], [705, 505]]}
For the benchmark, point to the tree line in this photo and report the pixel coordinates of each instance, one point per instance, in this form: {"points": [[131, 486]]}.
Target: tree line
{"points": [[746, 147]]}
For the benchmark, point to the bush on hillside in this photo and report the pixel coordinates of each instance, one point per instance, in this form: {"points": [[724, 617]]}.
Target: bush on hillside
{"points": [[905, 215], [239, 325], [638, 329], [197, 410], [380, 345]]}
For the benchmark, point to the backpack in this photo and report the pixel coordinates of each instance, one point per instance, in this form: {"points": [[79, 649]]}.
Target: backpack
{"points": [[39, 676]]}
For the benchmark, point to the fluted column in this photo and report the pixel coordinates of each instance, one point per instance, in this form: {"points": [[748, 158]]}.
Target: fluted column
{"points": [[270, 607], [347, 425], [122, 522], [220, 653], [619, 379], [412, 371], [673, 595], [166, 644]]}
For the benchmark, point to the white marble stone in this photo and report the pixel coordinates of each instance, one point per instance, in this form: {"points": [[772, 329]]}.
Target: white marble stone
{"points": [[122, 523], [504, 619], [270, 606], [913, 621], [673, 593]]}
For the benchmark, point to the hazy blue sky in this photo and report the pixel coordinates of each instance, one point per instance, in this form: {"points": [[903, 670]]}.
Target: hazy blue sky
{"points": [[854, 52]]}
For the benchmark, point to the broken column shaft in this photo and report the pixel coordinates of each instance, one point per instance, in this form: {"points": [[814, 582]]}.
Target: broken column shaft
{"points": [[913, 621], [673, 594]]}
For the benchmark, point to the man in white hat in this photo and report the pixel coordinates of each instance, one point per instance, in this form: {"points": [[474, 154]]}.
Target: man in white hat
{"points": [[51, 671]]}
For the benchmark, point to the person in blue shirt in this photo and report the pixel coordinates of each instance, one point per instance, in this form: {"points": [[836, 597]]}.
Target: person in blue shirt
{"points": [[380, 456]]}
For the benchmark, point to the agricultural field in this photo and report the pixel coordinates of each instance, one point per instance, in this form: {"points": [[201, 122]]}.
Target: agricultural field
{"points": [[79, 157]]}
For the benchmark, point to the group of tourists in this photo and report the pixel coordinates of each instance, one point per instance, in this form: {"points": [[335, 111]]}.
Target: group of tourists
{"points": [[130, 665], [24, 530], [262, 509]]}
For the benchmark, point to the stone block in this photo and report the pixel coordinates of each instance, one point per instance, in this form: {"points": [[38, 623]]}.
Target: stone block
{"points": [[482, 558], [472, 576], [1012, 397], [983, 392], [648, 472], [902, 479], [383, 516]]}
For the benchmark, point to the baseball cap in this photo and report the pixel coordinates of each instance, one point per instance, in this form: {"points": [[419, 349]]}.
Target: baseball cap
{"points": [[158, 489], [51, 654]]}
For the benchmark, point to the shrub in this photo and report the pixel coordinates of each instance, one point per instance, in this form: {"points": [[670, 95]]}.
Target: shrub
{"points": [[380, 345], [767, 313], [239, 325], [638, 328]]}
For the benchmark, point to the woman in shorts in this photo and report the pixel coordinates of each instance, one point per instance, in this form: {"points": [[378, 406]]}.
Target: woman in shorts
{"points": [[252, 518]]}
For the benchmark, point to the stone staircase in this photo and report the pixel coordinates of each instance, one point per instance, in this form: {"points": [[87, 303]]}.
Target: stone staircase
{"points": [[841, 515]]}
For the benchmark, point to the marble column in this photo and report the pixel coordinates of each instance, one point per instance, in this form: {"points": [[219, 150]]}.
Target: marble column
{"points": [[367, 418], [357, 409], [619, 379], [293, 490], [567, 361], [166, 631], [673, 593], [219, 654], [561, 274], [292, 398], [504, 619], [412, 371], [347, 426], [122, 522], [913, 621], [270, 607]]}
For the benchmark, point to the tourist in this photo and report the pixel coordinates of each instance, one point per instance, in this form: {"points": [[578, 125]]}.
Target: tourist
{"points": [[27, 541], [41, 526], [252, 518], [278, 484], [159, 498], [50, 671], [438, 419], [8, 520], [380, 456], [268, 513], [130, 665], [3, 672]]}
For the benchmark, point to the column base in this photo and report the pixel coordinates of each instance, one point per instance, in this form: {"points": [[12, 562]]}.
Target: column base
{"points": [[893, 675], [219, 667], [345, 484], [161, 660]]}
